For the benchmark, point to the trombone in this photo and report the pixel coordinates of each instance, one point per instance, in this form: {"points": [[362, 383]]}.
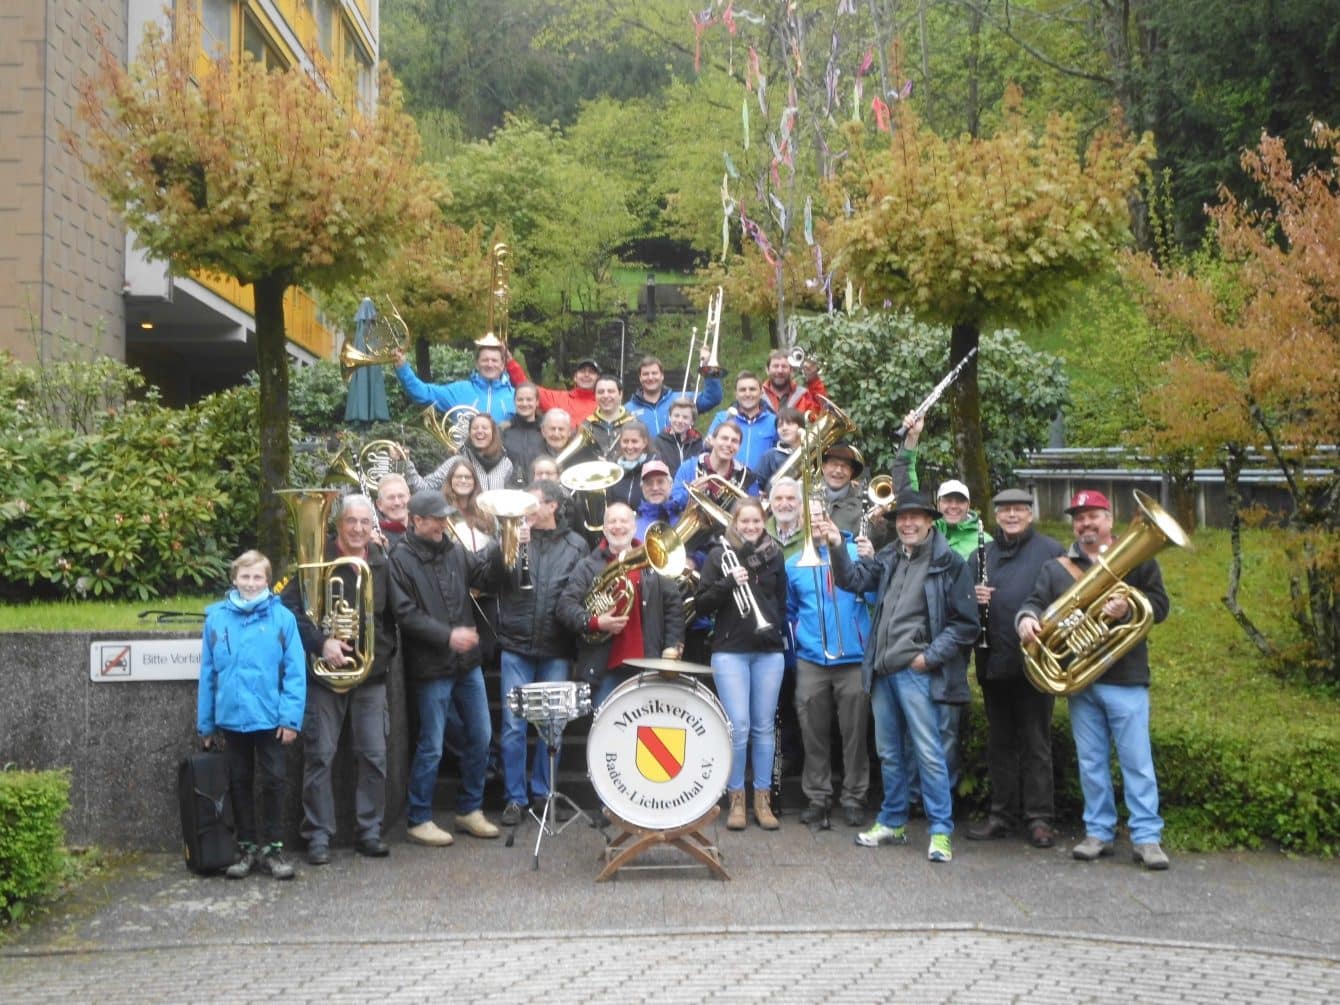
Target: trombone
{"points": [[711, 338]]}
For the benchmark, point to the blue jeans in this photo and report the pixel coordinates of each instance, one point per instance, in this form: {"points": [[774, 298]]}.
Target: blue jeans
{"points": [[1100, 715], [466, 694], [899, 700], [518, 670], [748, 685], [606, 682], [951, 719]]}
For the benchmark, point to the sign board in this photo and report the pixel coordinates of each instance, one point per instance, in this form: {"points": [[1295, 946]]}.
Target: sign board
{"points": [[144, 659]]}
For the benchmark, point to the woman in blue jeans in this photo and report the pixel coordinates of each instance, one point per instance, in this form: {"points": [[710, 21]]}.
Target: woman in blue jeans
{"points": [[744, 585]]}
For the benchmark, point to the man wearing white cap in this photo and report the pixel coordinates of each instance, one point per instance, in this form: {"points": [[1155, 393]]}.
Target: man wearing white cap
{"points": [[960, 524]]}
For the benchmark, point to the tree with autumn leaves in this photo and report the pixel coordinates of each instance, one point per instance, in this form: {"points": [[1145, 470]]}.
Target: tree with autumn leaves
{"points": [[274, 178], [975, 231], [1257, 319]]}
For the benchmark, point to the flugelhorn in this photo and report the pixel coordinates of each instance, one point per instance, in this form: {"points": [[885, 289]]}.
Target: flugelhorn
{"points": [[388, 335], [322, 591], [1077, 642]]}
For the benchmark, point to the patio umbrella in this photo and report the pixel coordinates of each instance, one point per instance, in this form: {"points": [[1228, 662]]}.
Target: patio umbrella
{"points": [[366, 402]]}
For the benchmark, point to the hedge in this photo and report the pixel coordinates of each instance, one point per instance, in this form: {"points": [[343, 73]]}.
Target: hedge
{"points": [[32, 838]]}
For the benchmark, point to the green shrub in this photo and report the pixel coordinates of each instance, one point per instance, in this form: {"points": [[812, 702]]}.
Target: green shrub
{"points": [[32, 839]]}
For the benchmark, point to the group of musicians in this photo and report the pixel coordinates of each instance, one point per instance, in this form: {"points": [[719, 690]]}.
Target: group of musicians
{"points": [[817, 604]]}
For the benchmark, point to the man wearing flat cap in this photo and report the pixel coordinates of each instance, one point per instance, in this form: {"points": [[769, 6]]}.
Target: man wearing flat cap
{"points": [[924, 621], [1114, 709], [1018, 716], [431, 577]]}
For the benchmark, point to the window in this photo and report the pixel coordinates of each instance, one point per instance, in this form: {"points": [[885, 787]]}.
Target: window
{"points": [[257, 42], [323, 13], [216, 28], [358, 65]]}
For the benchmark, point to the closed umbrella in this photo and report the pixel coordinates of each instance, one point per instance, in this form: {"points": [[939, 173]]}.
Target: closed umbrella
{"points": [[366, 402]]}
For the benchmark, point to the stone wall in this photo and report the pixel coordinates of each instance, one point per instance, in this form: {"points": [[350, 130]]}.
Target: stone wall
{"points": [[122, 741]]}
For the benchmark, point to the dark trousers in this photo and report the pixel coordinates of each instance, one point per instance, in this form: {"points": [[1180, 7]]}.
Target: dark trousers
{"points": [[250, 754], [1019, 751]]}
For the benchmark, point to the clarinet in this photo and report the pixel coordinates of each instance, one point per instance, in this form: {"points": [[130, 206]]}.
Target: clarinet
{"points": [[983, 610]]}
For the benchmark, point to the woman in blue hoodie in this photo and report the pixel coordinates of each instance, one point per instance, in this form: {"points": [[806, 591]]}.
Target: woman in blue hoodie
{"points": [[253, 686]]}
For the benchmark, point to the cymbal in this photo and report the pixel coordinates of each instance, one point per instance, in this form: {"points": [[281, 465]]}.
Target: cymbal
{"points": [[668, 666]]}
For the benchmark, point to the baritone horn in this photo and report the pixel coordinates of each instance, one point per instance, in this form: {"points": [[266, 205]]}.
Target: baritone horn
{"points": [[323, 591], [388, 336], [1077, 642], [612, 591]]}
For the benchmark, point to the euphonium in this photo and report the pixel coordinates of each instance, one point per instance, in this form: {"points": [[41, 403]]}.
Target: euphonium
{"points": [[819, 434], [612, 590], [388, 335], [323, 596], [1074, 629]]}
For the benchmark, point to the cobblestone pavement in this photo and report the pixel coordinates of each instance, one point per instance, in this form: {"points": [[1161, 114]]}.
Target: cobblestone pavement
{"points": [[776, 965], [807, 916]]}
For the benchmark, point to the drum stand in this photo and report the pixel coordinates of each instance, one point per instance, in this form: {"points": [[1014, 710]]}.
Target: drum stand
{"points": [[550, 731], [688, 838]]}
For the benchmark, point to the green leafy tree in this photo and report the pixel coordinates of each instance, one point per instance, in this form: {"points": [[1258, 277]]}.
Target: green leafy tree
{"points": [[261, 176], [879, 365], [968, 232]]}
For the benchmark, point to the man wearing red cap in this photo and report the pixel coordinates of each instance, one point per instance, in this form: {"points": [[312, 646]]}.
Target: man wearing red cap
{"points": [[1115, 708]]}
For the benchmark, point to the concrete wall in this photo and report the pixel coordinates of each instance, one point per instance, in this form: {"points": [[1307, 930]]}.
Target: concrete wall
{"points": [[122, 741]]}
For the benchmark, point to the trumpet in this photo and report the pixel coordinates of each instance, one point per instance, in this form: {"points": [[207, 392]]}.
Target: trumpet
{"points": [[745, 601], [389, 335], [881, 496]]}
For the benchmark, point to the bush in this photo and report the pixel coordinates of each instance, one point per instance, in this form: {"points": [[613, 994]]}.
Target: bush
{"points": [[32, 839]]}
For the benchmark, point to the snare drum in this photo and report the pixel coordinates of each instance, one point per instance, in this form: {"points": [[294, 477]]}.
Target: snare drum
{"points": [[547, 701], [659, 751]]}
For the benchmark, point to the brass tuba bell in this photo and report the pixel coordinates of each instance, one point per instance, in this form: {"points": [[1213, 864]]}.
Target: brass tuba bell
{"points": [[323, 595], [1077, 642]]}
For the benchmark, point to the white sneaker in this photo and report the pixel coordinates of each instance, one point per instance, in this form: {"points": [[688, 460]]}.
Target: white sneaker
{"points": [[477, 824], [430, 834]]}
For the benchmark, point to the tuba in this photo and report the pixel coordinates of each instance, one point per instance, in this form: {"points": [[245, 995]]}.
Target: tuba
{"points": [[612, 591], [388, 335], [1075, 632], [323, 596], [500, 298]]}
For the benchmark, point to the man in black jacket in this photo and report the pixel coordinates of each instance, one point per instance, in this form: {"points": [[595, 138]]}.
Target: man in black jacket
{"points": [[364, 705], [534, 645], [653, 626], [431, 577], [1018, 715], [924, 622], [1115, 708]]}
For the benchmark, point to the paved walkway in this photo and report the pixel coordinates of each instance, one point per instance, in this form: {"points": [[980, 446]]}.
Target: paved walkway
{"points": [[807, 917]]}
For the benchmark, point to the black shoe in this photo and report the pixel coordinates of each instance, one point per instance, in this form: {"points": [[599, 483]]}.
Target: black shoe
{"points": [[854, 815], [990, 829], [1041, 835], [511, 815], [318, 854], [814, 813], [372, 848]]}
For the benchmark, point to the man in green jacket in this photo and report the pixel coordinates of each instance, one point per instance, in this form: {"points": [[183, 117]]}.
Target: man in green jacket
{"points": [[960, 524]]}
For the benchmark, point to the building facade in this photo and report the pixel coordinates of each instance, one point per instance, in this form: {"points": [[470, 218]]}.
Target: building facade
{"points": [[73, 283]]}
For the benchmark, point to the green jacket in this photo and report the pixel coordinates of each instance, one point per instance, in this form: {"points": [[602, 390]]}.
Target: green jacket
{"points": [[962, 536]]}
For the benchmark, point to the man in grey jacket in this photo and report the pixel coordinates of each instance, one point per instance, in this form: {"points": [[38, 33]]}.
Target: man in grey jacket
{"points": [[924, 622]]}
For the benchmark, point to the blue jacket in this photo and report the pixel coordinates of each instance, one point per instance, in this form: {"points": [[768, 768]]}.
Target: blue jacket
{"points": [[951, 608], [657, 416], [844, 614], [690, 470], [253, 672], [759, 432], [493, 396]]}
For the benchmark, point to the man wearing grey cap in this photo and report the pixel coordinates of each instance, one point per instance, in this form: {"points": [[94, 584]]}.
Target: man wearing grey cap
{"points": [[1018, 716], [431, 577]]}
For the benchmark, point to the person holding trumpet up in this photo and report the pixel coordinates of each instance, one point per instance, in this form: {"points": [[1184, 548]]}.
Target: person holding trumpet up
{"points": [[744, 585]]}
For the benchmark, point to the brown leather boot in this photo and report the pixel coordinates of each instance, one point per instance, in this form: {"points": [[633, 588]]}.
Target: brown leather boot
{"points": [[735, 820], [763, 811]]}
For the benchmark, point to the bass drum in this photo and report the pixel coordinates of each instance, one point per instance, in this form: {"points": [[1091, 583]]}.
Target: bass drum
{"points": [[659, 751]]}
